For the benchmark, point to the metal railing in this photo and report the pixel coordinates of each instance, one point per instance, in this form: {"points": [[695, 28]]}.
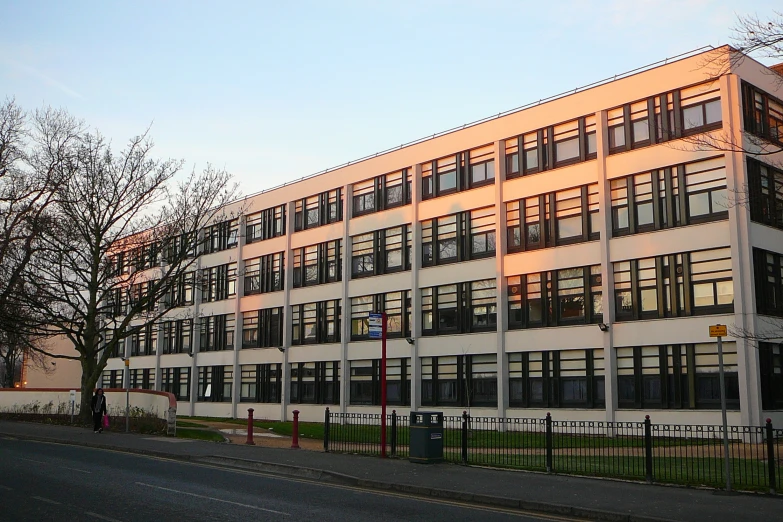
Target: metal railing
{"points": [[655, 453]]}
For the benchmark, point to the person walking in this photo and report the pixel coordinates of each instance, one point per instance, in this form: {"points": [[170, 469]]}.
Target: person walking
{"points": [[98, 410]]}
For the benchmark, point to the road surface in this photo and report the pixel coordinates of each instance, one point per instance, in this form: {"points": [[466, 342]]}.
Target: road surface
{"points": [[40, 481]]}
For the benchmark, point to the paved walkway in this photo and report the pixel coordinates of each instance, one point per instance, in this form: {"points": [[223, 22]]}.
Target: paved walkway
{"points": [[575, 496]]}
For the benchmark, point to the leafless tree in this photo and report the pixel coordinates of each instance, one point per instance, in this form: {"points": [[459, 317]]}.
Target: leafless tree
{"points": [[34, 149], [124, 234]]}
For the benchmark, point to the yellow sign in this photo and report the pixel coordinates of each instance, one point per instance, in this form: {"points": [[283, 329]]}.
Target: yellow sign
{"points": [[127, 361], [718, 330]]}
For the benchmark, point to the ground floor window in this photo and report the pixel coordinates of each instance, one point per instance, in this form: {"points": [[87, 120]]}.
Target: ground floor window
{"points": [[315, 383], [678, 376], [557, 379], [260, 383], [215, 383], [366, 382], [176, 381], [459, 380]]}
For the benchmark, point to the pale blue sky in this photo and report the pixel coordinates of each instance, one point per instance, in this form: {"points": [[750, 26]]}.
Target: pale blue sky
{"points": [[275, 92]]}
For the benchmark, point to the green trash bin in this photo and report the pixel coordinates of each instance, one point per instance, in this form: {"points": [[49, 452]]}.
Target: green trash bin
{"points": [[426, 437]]}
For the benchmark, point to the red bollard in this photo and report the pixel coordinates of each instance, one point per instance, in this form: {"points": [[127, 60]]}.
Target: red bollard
{"points": [[250, 427], [295, 440]]}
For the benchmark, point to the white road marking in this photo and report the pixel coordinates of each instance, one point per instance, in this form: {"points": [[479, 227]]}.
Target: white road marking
{"points": [[48, 501], [31, 460], [101, 517], [6, 488], [213, 498], [76, 469]]}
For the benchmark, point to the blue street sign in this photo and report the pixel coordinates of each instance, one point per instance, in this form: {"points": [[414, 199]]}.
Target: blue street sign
{"points": [[375, 322]]}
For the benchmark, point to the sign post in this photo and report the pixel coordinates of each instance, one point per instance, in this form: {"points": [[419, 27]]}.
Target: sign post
{"points": [[127, 395], [720, 331], [377, 324], [72, 400]]}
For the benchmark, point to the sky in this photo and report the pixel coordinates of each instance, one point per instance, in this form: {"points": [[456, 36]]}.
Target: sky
{"points": [[275, 91]]}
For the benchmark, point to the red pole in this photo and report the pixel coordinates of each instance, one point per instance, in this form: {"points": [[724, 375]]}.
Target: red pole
{"points": [[250, 427], [383, 386], [295, 440]]}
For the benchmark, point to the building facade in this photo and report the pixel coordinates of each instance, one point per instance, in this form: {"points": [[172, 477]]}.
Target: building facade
{"points": [[568, 257]]}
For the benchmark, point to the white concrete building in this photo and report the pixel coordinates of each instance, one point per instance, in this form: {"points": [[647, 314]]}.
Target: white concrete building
{"points": [[568, 257]]}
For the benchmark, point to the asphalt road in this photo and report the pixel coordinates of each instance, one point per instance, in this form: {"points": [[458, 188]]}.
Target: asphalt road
{"points": [[40, 481]]}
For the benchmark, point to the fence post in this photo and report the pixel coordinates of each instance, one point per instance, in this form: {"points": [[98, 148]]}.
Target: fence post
{"points": [[549, 443], [648, 453], [771, 464], [250, 427], [394, 433], [327, 420], [464, 437], [295, 440]]}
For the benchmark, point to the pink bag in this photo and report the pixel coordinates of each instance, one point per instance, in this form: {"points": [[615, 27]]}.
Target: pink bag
{"points": [[105, 421]]}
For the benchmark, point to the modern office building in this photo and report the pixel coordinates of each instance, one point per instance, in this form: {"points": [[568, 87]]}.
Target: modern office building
{"points": [[565, 257]]}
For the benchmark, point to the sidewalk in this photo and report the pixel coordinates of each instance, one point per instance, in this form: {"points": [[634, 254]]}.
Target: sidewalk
{"points": [[560, 494]]}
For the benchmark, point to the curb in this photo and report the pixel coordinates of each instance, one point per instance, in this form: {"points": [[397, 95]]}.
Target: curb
{"points": [[330, 477]]}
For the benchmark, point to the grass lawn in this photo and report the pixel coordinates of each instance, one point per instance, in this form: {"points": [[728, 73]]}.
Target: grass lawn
{"points": [[186, 424], [187, 433]]}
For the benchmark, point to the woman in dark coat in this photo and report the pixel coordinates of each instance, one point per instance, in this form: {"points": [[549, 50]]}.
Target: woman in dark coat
{"points": [[98, 410]]}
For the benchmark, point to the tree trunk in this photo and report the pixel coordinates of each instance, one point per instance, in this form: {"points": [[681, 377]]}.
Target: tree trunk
{"points": [[89, 380]]}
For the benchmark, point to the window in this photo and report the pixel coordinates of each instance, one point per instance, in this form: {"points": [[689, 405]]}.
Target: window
{"points": [[765, 184], [321, 209], [676, 376], [675, 285], [763, 114], [555, 298], [215, 383], [266, 224], [396, 306], [771, 366], [260, 383], [530, 223], [559, 379], [314, 323], [768, 278], [262, 328], [144, 340], [459, 380], [219, 282], [142, 378], [701, 116], [220, 236], [315, 383], [179, 248], [179, 291], [217, 333], [463, 171], [176, 336], [176, 381], [654, 201], [366, 382], [111, 379], [381, 252], [264, 274], [567, 143], [482, 166], [459, 237], [382, 192], [459, 308], [318, 264]]}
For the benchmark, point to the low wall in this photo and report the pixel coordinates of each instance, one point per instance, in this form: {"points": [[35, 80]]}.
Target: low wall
{"points": [[161, 404]]}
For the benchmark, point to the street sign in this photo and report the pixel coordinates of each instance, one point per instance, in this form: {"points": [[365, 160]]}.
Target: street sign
{"points": [[375, 322], [718, 330], [72, 396]]}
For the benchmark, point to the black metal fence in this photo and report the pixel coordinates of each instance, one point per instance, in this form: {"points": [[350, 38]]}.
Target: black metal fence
{"points": [[663, 453]]}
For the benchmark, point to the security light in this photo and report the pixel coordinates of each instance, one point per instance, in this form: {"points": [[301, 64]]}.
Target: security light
{"points": [[281, 349], [410, 340], [604, 327]]}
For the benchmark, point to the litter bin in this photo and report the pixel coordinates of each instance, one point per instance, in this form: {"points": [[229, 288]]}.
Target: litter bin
{"points": [[426, 437]]}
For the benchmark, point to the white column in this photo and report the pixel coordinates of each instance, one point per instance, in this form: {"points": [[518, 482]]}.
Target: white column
{"points": [[415, 292], [195, 336], [607, 270], [288, 263], [345, 309], [500, 282], [240, 293], [741, 256]]}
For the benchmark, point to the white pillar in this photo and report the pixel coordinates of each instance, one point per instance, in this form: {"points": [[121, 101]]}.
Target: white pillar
{"points": [[500, 281], [415, 292]]}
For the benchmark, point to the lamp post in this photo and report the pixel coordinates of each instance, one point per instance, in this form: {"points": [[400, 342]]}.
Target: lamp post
{"points": [[127, 395]]}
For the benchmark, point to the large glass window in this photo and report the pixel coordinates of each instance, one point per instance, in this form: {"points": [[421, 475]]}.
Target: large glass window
{"points": [[318, 264], [458, 237], [366, 382], [315, 383], [381, 252], [321, 209], [260, 383], [262, 328], [221, 236], [219, 282], [176, 381], [215, 383], [314, 323], [679, 376], [459, 308], [217, 333], [555, 298], [459, 380], [264, 274], [266, 224]]}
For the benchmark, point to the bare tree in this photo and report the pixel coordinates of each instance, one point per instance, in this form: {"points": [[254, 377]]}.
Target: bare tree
{"points": [[33, 151], [124, 236]]}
